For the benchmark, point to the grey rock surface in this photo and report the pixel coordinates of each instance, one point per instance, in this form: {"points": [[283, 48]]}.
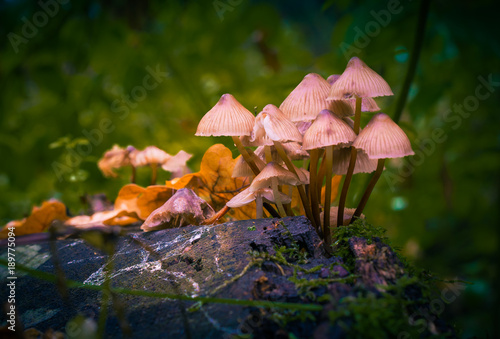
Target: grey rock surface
{"points": [[198, 261]]}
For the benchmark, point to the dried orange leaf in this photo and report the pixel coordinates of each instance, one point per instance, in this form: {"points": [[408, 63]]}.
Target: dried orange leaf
{"points": [[141, 201], [39, 220], [187, 181], [114, 217], [214, 184]]}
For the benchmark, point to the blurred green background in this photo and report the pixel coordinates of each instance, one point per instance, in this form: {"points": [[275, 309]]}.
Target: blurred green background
{"points": [[79, 71]]}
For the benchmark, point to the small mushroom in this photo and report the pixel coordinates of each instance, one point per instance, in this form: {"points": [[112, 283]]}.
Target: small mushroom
{"points": [[151, 156], [116, 157], [247, 196], [381, 139], [229, 118], [182, 209], [271, 176]]}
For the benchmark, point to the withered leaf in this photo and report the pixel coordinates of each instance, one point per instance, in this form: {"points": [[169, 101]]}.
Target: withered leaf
{"points": [[39, 220]]}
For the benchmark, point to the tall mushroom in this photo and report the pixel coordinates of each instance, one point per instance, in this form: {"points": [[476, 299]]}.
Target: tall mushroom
{"points": [[356, 82], [229, 118], [381, 139], [327, 131]]}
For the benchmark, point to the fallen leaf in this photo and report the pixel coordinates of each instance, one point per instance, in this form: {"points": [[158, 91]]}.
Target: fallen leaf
{"points": [[39, 220], [214, 184], [142, 201], [119, 218]]}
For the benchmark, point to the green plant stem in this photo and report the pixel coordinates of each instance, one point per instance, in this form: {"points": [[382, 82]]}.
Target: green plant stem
{"points": [[246, 156], [302, 192], [352, 163], [415, 55], [105, 300], [369, 189], [154, 172], [328, 195], [313, 187]]}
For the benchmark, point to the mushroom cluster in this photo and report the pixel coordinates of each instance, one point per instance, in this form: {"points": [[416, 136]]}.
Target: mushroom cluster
{"points": [[313, 122], [151, 156]]}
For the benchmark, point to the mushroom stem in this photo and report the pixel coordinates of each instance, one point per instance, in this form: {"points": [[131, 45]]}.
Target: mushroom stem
{"points": [[154, 170], [132, 177], [352, 163], [328, 194], [313, 168], [369, 189], [357, 115], [274, 186], [274, 183], [302, 192], [289, 210], [259, 212], [271, 210], [321, 175], [245, 155]]}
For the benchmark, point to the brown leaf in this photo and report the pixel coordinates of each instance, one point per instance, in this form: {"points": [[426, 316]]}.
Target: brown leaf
{"points": [[39, 220], [115, 217], [214, 184], [141, 201]]}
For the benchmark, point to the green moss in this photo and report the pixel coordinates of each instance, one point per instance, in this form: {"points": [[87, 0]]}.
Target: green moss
{"points": [[360, 228]]}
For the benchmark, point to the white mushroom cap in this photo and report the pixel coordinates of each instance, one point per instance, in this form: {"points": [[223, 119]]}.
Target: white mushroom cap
{"points": [[273, 170], [272, 125], [228, 117], [359, 80], [247, 196], [328, 130], [382, 138], [307, 99], [149, 155]]}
